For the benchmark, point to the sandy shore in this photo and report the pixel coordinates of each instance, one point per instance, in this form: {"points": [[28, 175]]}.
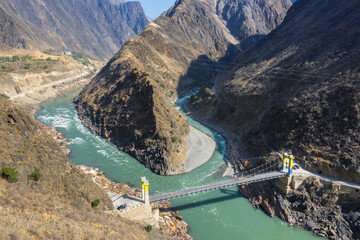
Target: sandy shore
{"points": [[200, 148]]}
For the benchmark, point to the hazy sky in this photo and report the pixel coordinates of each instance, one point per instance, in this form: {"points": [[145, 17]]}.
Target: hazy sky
{"points": [[153, 8]]}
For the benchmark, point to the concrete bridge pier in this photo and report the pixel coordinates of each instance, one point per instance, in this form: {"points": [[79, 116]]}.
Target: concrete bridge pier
{"points": [[145, 190]]}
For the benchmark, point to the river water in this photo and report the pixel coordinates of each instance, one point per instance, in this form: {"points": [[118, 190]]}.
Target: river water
{"points": [[222, 214]]}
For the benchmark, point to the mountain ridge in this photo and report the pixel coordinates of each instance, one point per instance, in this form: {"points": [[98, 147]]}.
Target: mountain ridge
{"points": [[97, 28]]}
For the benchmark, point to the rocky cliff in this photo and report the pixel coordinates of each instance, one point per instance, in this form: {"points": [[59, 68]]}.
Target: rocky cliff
{"points": [[93, 27], [297, 90], [42, 196], [129, 101]]}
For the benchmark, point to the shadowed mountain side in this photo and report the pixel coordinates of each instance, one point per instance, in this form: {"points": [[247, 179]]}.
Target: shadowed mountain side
{"points": [[304, 76]]}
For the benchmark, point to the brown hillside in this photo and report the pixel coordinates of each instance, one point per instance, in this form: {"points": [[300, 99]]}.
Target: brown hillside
{"points": [[58, 205]]}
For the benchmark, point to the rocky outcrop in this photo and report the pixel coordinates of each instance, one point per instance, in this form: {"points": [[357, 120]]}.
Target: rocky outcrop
{"points": [[328, 209], [129, 101], [93, 27]]}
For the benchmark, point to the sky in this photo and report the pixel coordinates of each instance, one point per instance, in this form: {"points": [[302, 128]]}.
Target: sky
{"points": [[153, 8]]}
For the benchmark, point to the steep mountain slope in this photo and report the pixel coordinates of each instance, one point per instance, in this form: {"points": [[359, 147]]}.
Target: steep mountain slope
{"points": [[129, 102], [302, 80], [13, 31], [56, 204], [94, 27]]}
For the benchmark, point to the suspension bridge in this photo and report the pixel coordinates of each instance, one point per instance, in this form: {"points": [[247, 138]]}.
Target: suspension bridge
{"points": [[265, 172], [218, 185]]}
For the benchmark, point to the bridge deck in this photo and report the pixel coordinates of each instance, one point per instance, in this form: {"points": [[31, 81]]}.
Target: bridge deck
{"points": [[218, 185]]}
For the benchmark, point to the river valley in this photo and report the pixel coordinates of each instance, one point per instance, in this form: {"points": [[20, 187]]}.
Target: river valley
{"points": [[222, 214]]}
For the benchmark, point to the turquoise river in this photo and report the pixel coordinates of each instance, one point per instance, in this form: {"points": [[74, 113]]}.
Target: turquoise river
{"points": [[222, 214]]}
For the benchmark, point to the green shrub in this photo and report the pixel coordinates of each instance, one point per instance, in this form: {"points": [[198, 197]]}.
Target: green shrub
{"points": [[148, 228], [197, 101], [27, 66], [3, 67], [48, 59], [162, 85], [95, 203], [10, 174], [15, 58], [36, 175], [46, 66], [207, 90], [174, 139]]}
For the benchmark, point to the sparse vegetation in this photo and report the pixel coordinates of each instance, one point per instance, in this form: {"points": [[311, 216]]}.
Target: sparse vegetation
{"points": [[197, 100], [162, 85], [81, 58], [3, 68], [174, 139], [10, 174], [95, 203], [36, 175], [27, 66], [148, 228], [15, 58], [305, 66]]}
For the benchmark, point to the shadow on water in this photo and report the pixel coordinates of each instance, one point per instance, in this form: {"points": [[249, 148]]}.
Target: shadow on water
{"points": [[228, 195]]}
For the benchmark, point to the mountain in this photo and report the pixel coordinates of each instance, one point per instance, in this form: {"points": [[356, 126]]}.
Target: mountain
{"points": [[302, 80], [130, 101], [13, 31], [297, 90], [93, 27], [42, 195]]}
